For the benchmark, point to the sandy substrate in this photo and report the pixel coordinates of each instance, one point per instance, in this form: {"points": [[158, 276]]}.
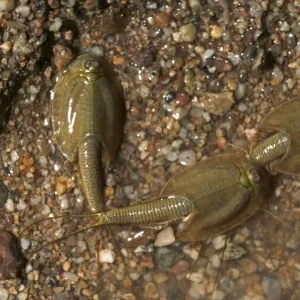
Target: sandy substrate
{"points": [[197, 75]]}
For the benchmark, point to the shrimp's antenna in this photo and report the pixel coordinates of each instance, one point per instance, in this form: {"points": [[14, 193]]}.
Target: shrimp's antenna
{"points": [[238, 147], [276, 218], [56, 217], [222, 260], [199, 254], [65, 236]]}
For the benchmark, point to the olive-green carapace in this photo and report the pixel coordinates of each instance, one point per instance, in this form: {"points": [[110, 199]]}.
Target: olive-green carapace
{"points": [[88, 115]]}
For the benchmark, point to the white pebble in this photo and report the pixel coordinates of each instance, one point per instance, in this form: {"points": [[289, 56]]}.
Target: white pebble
{"points": [[81, 246], [217, 295], [70, 276], [277, 76], [43, 160], [21, 205], [28, 268], [172, 156], [21, 288], [194, 3], [234, 58], [46, 210], [219, 242], [165, 237], [240, 91], [64, 203], [179, 113], [56, 25], [207, 54], [23, 10], [25, 243], [33, 275], [14, 156], [22, 296], [70, 3], [107, 256], [134, 276], [35, 200], [193, 253], [143, 91], [10, 205], [195, 277], [6, 5], [215, 260], [242, 107], [3, 294], [206, 116], [187, 158], [197, 291]]}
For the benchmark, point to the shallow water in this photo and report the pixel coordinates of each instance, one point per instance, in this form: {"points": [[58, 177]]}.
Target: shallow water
{"points": [[252, 56]]}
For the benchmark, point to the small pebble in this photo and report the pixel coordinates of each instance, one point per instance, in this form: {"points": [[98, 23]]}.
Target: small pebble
{"points": [[218, 295], [160, 277], [194, 4], [219, 242], [195, 277], [188, 32], [218, 104], [33, 275], [234, 251], [197, 291], [179, 113], [181, 267], [162, 20], [277, 76], [250, 266], [10, 205], [70, 276], [165, 237], [62, 56], [6, 5], [23, 10], [14, 156], [56, 25], [134, 276], [143, 91], [233, 273], [66, 266], [22, 296], [207, 54], [107, 256], [25, 243], [187, 158], [272, 288], [3, 294], [216, 31], [150, 289], [182, 99]]}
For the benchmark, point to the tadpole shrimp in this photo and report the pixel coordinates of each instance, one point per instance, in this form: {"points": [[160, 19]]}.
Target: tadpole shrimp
{"points": [[217, 194]]}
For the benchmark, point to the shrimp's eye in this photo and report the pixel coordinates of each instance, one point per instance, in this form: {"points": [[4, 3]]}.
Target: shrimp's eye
{"points": [[91, 65], [88, 64], [254, 175]]}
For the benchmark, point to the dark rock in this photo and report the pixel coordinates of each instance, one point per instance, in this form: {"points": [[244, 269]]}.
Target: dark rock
{"points": [[12, 261], [168, 256], [3, 194]]}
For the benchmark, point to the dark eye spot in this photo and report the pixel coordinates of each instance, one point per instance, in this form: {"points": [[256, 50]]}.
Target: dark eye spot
{"points": [[88, 64], [255, 175]]}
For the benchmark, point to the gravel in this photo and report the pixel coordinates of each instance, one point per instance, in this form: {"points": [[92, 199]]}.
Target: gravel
{"points": [[197, 75]]}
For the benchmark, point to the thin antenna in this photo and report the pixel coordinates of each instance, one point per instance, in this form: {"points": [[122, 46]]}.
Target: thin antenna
{"points": [[199, 254], [222, 259], [65, 236], [276, 218]]}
